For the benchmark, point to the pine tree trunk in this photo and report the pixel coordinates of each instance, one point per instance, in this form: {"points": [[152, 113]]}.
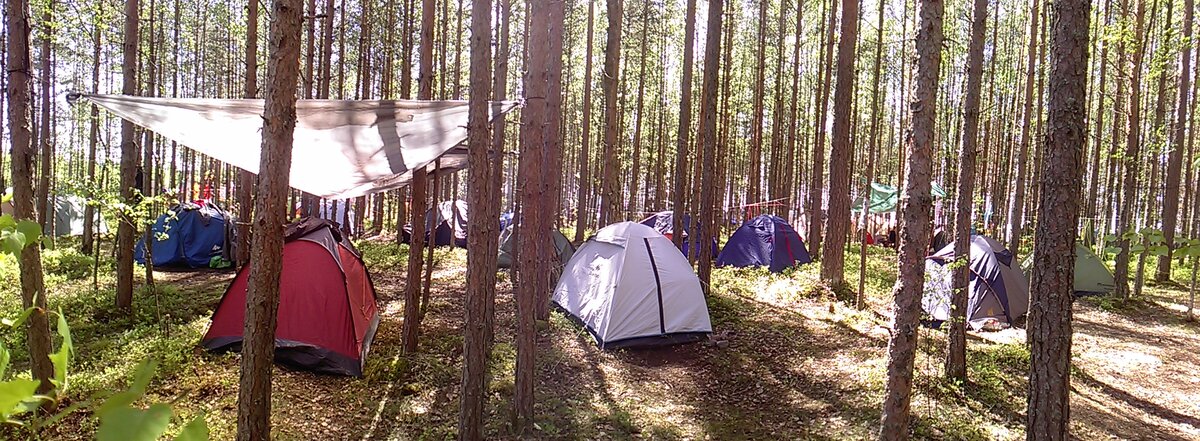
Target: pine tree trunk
{"points": [[245, 198], [482, 243], [89, 210], [816, 212], [754, 185], [634, 207], [412, 299], [610, 197], [1131, 157], [1016, 207], [679, 189], [914, 230], [1052, 285], [499, 92], [1170, 213], [582, 217], [44, 208], [33, 293], [956, 357], [876, 117], [129, 162], [709, 215], [833, 261]]}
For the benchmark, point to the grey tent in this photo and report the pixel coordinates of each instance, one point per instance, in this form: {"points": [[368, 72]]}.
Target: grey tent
{"points": [[1092, 277], [562, 247], [997, 289], [69, 219]]}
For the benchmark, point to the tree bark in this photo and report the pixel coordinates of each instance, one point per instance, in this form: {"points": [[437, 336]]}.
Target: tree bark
{"points": [[914, 235], [708, 213], [262, 296], [89, 210], [1016, 207], [129, 162], [956, 356], [833, 259], [499, 92], [412, 299], [482, 243], [245, 198], [1132, 151], [754, 155], [610, 197], [582, 216], [679, 191], [816, 212], [1170, 213], [43, 208], [33, 292], [876, 117], [634, 206], [1052, 285]]}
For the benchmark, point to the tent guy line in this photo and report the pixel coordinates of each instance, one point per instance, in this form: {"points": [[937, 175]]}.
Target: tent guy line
{"points": [[342, 148]]}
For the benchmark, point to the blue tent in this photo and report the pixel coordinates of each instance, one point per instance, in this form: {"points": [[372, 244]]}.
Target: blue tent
{"points": [[766, 240], [188, 236], [663, 222]]}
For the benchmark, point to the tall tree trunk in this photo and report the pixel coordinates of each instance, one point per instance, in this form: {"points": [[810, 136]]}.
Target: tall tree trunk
{"points": [[610, 197], [709, 214], [44, 208], [876, 120], [754, 186], [816, 212], [89, 210], [1132, 153], [482, 243], [33, 291], [914, 236], [1016, 208], [956, 357], [582, 217], [129, 162], [1170, 214], [833, 261], [679, 190], [262, 296], [1052, 285], [634, 207], [412, 305], [499, 92], [245, 198]]}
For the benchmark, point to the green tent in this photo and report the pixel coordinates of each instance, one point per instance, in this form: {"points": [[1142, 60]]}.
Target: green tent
{"points": [[1091, 276], [562, 247], [885, 197]]}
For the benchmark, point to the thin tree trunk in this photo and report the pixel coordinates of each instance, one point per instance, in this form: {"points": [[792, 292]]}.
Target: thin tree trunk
{"points": [[709, 215], [89, 210], [1016, 208], [678, 194], [816, 212], [833, 261], [753, 187], [245, 198], [1132, 152], [635, 178], [499, 92], [412, 299], [610, 197], [262, 296], [582, 216], [914, 236], [44, 208], [956, 357], [33, 292], [876, 118], [1052, 285], [1170, 214], [129, 162], [482, 243]]}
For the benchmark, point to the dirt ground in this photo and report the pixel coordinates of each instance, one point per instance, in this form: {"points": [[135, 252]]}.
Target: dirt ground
{"points": [[782, 367]]}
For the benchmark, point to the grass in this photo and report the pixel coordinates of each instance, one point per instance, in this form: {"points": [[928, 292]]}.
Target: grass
{"points": [[801, 362]]}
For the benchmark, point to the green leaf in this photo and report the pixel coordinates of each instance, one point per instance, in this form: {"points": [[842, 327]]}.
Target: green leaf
{"points": [[1112, 250], [141, 379], [1136, 248], [4, 358], [7, 222], [13, 393], [196, 430], [20, 318], [62, 358], [1110, 237], [13, 242], [129, 424], [31, 231], [1159, 250]]}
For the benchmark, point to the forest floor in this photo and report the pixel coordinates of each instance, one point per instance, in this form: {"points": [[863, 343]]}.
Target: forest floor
{"points": [[795, 363]]}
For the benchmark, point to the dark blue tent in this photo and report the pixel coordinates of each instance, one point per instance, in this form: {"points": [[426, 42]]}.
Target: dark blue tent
{"points": [[766, 240], [188, 236], [663, 222]]}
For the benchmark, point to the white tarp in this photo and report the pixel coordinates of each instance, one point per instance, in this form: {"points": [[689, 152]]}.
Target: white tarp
{"points": [[629, 283], [342, 149]]}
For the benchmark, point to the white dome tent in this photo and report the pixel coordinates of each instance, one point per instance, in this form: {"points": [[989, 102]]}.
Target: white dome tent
{"points": [[630, 286]]}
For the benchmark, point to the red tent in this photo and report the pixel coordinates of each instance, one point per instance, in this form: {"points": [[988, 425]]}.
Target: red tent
{"points": [[327, 312]]}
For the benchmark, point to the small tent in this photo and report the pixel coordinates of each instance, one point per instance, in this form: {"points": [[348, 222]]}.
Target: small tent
{"points": [[766, 240], [448, 221], [508, 245], [69, 219], [327, 312], [629, 287], [190, 235], [1092, 277], [664, 223], [997, 289]]}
